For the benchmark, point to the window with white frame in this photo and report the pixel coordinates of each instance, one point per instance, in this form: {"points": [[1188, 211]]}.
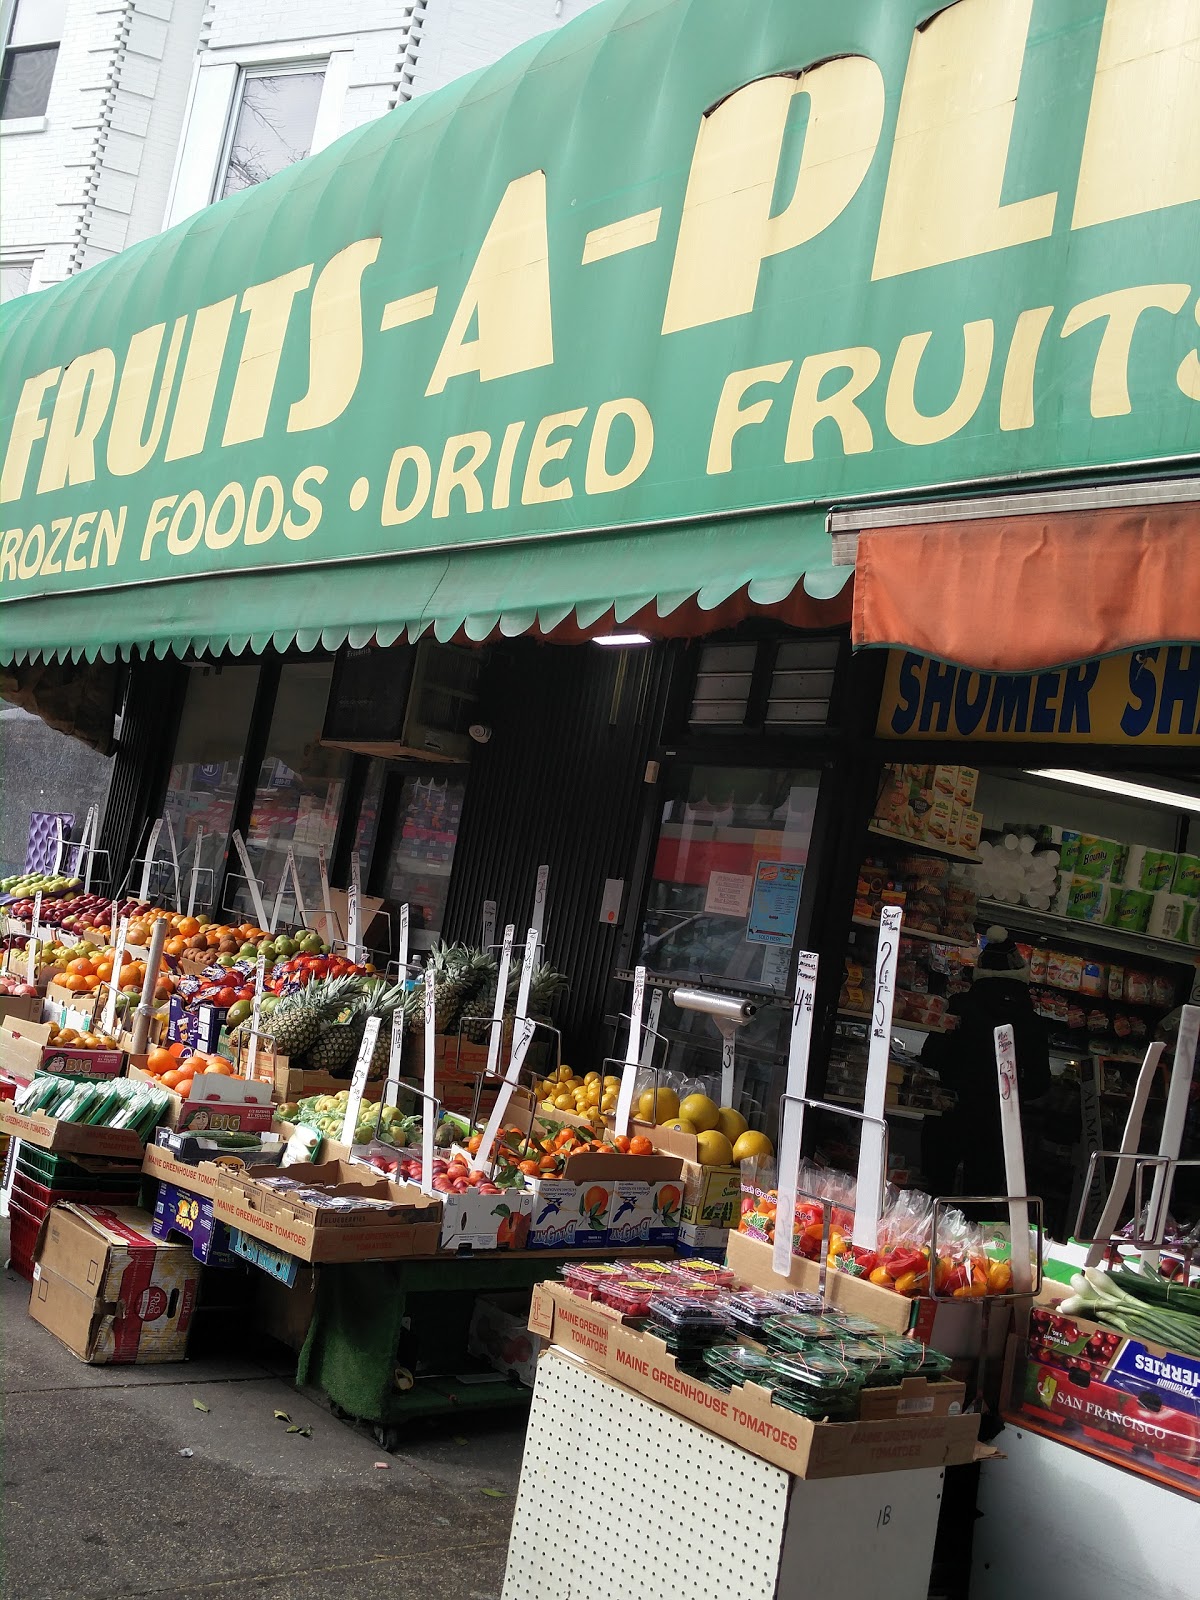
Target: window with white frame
{"points": [[30, 51], [14, 279], [272, 126]]}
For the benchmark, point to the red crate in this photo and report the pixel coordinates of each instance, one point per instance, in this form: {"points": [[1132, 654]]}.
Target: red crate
{"points": [[22, 1239]]}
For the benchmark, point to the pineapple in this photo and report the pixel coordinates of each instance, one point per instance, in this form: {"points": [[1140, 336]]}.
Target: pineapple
{"points": [[381, 1000], [298, 1020], [335, 1050], [460, 974]]}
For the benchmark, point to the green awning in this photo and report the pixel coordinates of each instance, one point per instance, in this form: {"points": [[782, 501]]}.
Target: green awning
{"points": [[474, 594], [612, 324]]}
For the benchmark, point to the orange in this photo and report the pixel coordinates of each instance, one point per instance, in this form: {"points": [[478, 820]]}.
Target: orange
{"points": [[104, 970], [184, 1086], [175, 946], [73, 982], [92, 982], [640, 1146], [160, 1060], [188, 927], [221, 1066], [170, 1079], [82, 966]]}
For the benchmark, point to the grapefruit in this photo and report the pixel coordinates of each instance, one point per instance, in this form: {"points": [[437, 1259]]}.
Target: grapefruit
{"points": [[731, 1123], [713, 1148], [679, 1125], [698, 1108], [751, 1145], [655, 1105]]}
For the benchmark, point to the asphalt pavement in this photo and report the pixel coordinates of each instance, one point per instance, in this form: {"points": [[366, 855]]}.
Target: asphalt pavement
{"points": [[117, 1484]]}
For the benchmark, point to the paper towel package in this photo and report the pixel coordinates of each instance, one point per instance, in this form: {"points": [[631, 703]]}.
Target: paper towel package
{"points": [[1086, 899], [1186, 879], [1174, 916], [1130, 909], [1148, 869], [1099, 858]]}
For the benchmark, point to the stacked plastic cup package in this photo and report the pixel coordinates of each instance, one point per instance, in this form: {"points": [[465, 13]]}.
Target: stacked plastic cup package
{"points": [[1087, 878]]}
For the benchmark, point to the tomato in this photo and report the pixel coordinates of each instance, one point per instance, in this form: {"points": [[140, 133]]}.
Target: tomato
{"points": [[226, 997]]}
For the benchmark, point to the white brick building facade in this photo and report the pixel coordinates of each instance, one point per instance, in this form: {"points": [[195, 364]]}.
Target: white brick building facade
{"points": [[142, 114]]}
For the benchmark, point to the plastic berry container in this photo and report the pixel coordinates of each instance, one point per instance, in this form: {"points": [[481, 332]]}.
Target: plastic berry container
{"points": [[683, 1321], [799, 1330], [801, 1300], [702, 1271], [859, 1327], [879, 1369], [749, 1310], [587, 1279], [631, 1298], [739, 1363]]}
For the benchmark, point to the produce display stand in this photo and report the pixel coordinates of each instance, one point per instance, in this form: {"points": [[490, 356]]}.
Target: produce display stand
{"points": [[376, 1324], [679, 1512]]}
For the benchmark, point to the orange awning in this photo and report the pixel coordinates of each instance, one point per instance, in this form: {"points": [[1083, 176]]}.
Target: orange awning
{"points": [[1016, 594]]}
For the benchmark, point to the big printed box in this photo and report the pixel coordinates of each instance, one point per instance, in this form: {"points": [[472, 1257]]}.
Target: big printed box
{"points": [[1135, 1405], [914, 1424]]}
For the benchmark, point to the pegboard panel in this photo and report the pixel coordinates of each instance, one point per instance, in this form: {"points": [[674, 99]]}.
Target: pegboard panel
{"points": [[620, 1500], [43, 838]]}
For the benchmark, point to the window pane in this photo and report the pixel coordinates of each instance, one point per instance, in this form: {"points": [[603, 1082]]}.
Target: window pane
{"points": [[722, 905], [274, 126], [207, 766], [25, 81], [422, 816], [14, 279], [43, 770], [299, 795], [38, 22]]}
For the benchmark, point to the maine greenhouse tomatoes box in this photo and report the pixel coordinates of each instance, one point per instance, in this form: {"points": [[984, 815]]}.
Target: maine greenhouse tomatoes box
{"points": [[913, 1424], [327, 1233], [1132, 1404]]}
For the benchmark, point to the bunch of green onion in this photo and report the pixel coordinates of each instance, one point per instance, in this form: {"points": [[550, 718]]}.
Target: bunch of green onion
{"points": [[1141, 1305]]}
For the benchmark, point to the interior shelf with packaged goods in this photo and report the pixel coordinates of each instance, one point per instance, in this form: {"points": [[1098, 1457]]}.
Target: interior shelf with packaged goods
{"points": [[1026, 919]]}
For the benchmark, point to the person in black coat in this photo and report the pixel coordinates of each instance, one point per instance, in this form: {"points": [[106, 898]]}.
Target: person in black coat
{"points": [[965, 1061]]}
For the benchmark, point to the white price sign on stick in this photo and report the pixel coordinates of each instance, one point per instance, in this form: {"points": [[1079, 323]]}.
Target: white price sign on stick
{"points": [[540, 891], [1174, 1117], [174, 849], [396, 1051], [35, 933], [1127, 1160], [353, 899], [60, 846], [358, 1081], [1014, 1158], [629, 1071], [114, 983], [656, 1000], [496, 1032], [522, 1039], [331, 926], [87, 853], [869, 1191], [490, 913], [791, 1127], [260, 978], [427, 1117], [148, 863], [195, 872], [256, 899], [402, 953], [528, 962]]}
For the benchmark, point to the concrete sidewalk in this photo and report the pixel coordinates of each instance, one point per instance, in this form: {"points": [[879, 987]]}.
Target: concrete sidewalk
{"points": [[99, 1501]]}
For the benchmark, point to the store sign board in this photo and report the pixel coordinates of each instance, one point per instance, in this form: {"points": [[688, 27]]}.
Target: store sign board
{"points": [[849, 249], [775, 903], [1140, 697]]}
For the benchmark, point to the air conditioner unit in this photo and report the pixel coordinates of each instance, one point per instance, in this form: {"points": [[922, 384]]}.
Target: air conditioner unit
{"points": [[411, 702]]}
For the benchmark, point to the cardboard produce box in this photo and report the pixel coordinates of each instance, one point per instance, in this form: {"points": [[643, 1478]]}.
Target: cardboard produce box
{"points": [[576, 1210], [313, 1234], [21, 1008], [233, 1105], [25, 1050], [110, 1290], [913, 1424], [69, 1138], [60, 1001], [180, 1212], [474, 1221], [499, 1334], [712, 1196], [1133, 1404]]}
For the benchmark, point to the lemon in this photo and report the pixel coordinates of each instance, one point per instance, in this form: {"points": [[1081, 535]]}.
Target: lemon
{"points": [[698, 1108], [609, 1102], [713, 1148], [564, 1102], [563, 1074], [594, 1094], [679, 1125], [731, 1123], [751, 1145], [591, 1077], [612, 1083], [654, 1105]]}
